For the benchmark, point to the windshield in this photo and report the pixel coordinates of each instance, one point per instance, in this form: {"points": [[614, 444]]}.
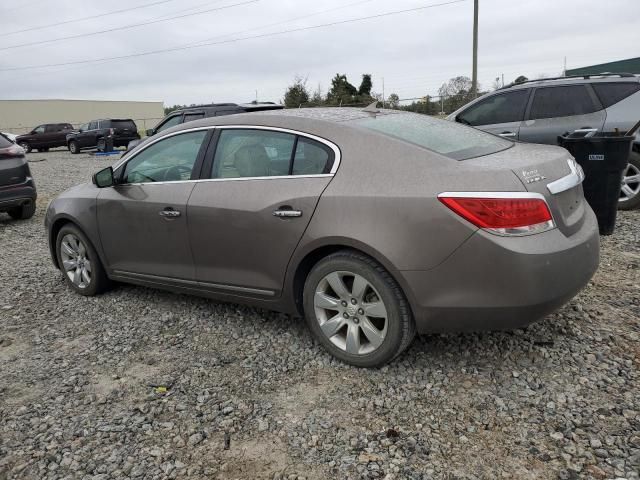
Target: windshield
{"points": [[447, 138]]}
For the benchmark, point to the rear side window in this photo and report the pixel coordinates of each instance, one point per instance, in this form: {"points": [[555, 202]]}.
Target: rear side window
{"points": [[447, 138], [124, 124], [564, 101], [51, 128], [312, 158], [611, 93], [244, 153], [499, 108]]}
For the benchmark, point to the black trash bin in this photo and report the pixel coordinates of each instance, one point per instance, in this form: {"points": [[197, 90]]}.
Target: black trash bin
{"points": [[603, 158]]}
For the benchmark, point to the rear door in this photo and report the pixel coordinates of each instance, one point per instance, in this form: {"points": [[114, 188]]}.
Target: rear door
{"points": [[500, 114], [556, 110], [247, 219]]}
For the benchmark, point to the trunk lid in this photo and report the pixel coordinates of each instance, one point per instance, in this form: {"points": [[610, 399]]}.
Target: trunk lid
{"points": [[537, 166]]}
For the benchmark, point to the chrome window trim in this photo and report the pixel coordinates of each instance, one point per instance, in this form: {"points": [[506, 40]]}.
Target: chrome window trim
{"points": [[334, 168], [569, 181], [493, 195]]}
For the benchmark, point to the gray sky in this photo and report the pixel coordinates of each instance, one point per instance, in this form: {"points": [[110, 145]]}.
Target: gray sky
{"points": [[415, 52]]}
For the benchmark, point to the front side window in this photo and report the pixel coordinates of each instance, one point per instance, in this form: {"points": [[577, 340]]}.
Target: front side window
{"points": [[243, 153], [39, 129], [170, 122], [446, 138], [312, 158], [169, 160], [84, 127], [564, 101], [499, 108]]}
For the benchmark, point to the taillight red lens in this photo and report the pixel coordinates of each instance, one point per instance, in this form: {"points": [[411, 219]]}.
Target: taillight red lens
{"points": [[501, 214]]}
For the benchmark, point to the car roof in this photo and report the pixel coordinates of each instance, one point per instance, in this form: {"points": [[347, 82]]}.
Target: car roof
{"points": [[578, 79]]}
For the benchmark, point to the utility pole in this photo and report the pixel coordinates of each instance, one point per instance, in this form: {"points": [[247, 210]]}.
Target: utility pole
{"points": [[474, 78]]}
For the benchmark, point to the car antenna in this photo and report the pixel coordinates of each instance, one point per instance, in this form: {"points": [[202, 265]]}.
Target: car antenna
{"points": [[373, 108]]}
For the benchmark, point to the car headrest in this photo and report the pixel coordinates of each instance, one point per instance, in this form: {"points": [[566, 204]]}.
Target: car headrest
{"points": [[252, 161]]}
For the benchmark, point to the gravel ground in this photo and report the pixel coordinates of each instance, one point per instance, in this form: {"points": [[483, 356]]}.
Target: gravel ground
{"points": [[139, 383]]}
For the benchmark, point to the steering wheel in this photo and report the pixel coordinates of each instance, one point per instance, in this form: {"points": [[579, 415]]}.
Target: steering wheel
{"points": [[175, 173]]}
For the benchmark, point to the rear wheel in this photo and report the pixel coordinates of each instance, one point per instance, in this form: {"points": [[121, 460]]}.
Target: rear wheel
{"points": [[357, 310], [23, 212], [79, 262], [73, 147], [630, 192], [25, 146]]}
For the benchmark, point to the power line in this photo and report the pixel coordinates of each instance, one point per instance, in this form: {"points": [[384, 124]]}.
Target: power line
{"points": [[81, 19], [126, 27], [233, 40]]}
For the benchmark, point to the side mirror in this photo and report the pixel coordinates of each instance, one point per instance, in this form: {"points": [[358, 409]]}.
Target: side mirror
{"points": [[104, 178], [149, 132]]}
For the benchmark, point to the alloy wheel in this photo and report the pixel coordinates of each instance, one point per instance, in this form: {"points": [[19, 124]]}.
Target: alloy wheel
{"points": [[350, 312], [75, 261], [630, 183]]}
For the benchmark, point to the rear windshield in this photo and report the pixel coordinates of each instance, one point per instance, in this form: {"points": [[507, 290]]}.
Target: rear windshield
{"points": [[4, 142], [447, 138], [123, 124]]}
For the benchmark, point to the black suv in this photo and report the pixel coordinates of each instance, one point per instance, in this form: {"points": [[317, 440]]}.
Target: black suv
{"points": [[190, 114], [44, 137], [17, 189], [94, 134]]}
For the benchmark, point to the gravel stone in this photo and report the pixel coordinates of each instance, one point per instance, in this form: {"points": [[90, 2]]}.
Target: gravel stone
{"points": [[79, 378]]}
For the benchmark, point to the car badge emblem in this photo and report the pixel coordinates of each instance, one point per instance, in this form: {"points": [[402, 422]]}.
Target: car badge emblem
{"points": [[532, 176]]}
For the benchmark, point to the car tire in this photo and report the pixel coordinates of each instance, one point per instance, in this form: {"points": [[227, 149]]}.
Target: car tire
{"points": [[82, 269], [43, 149], [25, 146], [630, 193], [338, 319], [23, 212], [73, 147]]}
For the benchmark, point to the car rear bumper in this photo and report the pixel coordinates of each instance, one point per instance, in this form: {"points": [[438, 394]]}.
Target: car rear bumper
{"points": [[18, 194], [494, 283]]}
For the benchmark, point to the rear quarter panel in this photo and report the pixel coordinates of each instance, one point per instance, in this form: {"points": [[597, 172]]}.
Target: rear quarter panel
{"points": [[384, 199]]}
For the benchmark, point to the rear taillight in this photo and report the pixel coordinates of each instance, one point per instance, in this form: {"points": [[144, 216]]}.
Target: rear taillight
{"points": [[12, 150], [503, 213]]}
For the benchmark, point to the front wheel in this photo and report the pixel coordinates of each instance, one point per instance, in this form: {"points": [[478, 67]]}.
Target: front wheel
{"points": [[25, 146], [630, 191], [73, 147], [79, 262], [357, 310]]}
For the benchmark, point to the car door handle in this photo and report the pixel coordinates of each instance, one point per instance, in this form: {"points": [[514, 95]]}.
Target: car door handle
{"points": [[507, 134], [287, 213], [170, 213]]}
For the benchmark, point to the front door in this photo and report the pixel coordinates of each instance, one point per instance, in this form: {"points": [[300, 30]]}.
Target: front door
{"points": [[246, 222], [148, 208], [561, 109], [500, 114]]}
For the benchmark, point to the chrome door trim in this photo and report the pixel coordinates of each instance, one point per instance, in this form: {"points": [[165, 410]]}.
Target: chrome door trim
{"points": [[569, 181], [169, 281], [337, 155], [493, 195]]}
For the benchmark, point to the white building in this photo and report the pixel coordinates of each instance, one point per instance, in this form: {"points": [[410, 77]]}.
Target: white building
{"points": [[21, 116]]}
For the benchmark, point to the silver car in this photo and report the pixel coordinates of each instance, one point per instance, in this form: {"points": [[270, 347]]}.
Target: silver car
{"points": [[541, 110], [372, 224]]}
